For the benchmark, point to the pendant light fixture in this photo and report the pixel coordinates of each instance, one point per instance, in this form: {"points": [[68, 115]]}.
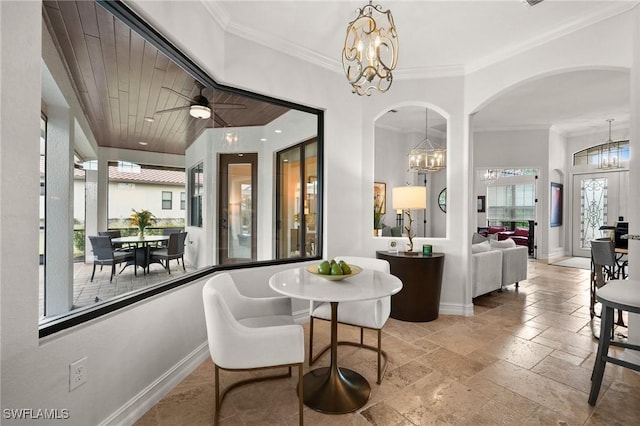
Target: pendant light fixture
{"points": [[489, 176], [370, 50], [425, 157], [610, 152]]}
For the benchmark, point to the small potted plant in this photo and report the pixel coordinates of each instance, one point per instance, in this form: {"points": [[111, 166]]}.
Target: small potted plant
{"points": [[141, 219]]}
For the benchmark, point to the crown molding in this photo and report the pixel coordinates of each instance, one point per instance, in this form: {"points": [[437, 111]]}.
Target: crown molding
{"points": [[222, 17], [614, 9], [429, 72], [523, 128], [218, 13]]}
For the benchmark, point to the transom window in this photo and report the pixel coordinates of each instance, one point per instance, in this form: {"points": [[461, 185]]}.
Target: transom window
{"points": [[593, 156]]}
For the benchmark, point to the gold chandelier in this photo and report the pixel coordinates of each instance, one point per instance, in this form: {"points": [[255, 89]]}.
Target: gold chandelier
{"points": [[370, 50], [425, 157]]}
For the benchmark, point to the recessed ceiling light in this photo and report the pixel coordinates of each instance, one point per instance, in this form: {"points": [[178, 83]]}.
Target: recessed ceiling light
{"points": [[149, 119], [263, 139], [277, 131], [144, 143]]}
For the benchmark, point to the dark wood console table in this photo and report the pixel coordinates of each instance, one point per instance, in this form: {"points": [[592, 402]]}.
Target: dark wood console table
{"points": [[421, 276]]}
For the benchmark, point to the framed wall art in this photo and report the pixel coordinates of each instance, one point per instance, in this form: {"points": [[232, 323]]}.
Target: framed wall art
{"points": [[556, 204], [380, 197], [481, 205]]}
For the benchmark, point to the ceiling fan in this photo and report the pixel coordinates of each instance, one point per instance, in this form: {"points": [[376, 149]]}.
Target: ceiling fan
{"points": [[200, 107]]}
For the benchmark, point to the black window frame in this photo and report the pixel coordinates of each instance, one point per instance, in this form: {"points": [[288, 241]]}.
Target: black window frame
{"points": [[122, 12]]}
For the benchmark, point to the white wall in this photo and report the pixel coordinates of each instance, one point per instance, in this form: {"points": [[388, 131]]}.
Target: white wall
{"points": [[140, 351], [559, 243], [445, 96]]}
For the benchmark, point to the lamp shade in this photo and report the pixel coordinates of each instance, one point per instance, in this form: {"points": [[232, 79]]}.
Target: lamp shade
{"points": [[409, 197]]}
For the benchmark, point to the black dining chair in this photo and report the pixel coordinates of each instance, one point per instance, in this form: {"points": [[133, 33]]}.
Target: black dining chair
{"points": [[167, 232], [104, 254], [173, 250], [604, 268], [114, 234]]}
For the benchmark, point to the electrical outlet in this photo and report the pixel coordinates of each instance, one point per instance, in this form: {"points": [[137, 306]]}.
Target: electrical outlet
{"points": [[77, 373]]}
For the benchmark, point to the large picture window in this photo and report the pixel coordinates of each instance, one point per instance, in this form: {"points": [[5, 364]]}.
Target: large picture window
{"points": [[137, 141], [511, 203]]}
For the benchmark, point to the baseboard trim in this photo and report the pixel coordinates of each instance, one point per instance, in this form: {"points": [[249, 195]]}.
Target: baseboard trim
{"points": [[301, 316], [137, 406]]}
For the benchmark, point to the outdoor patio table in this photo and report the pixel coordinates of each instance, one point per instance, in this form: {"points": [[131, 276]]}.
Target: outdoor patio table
{"points": [[142, 247]]}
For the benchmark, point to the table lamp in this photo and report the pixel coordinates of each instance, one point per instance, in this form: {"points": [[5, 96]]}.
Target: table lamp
{"points": [[407, 198]]}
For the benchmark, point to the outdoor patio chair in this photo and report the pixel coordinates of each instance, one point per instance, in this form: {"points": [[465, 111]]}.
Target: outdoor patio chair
{"points": [[113, 234], [167, 232], [173, 250], [104, 254]]}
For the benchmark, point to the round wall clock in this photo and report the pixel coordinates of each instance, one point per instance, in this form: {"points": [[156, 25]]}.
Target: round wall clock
{"points": [[442, 200]]}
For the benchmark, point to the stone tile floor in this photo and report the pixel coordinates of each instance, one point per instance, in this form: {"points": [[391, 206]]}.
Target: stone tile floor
{"points": [[525, 358]]}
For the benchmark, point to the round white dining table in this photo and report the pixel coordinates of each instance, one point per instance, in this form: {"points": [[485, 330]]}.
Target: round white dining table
{"points": [[334, 389]]}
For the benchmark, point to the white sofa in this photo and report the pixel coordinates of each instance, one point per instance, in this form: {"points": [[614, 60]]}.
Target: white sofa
{"points": [[486, 272], [495, 264]]}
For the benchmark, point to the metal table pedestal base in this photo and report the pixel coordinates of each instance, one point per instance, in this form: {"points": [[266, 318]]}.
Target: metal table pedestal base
{"points": [[335, 391]]}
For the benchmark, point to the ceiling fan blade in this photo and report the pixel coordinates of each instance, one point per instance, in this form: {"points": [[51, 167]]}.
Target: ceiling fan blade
{"points": [[174, 109], [178, 94], [229, 106], [219, 120]]}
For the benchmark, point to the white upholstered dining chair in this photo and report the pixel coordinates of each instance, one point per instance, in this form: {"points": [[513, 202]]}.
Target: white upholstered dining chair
{"points": [[371, 314], [247, 333]]}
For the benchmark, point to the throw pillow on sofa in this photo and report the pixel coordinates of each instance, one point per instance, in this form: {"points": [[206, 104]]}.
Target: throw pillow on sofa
{"points": [[508, 243], [478, 238], [480, 247], [521, 232]]}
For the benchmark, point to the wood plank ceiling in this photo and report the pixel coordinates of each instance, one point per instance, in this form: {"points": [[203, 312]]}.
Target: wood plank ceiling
{"points": [[119, 79]]}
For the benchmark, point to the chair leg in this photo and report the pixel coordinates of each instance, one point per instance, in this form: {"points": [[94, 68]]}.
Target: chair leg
{"points": [[113, 272], [517, 284], [380, 356], [620, 320], [361, 336], [93, 272], [300, 395], [603, 350], [310, 340], [217, 392], [183, 268]]}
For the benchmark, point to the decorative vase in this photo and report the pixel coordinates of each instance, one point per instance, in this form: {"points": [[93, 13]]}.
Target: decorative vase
{"points": [[141, 232]]}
